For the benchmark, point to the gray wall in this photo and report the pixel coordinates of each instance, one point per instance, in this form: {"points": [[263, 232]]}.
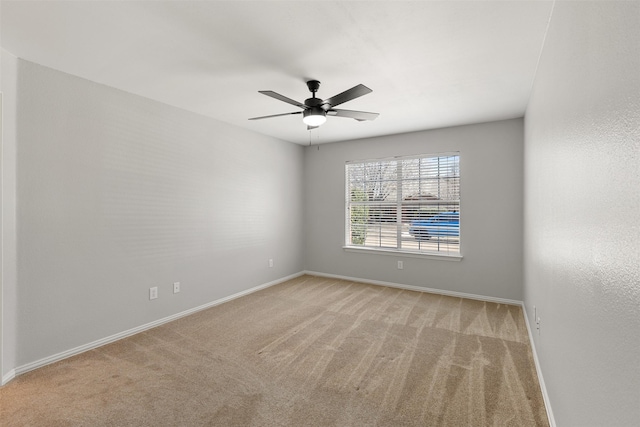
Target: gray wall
{"points": [[117, 193], [491, 162], [8, 283], [582, 213]]}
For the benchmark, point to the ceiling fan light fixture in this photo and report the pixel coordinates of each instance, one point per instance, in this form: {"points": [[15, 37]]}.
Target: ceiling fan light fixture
{"points": [[314, 116]]}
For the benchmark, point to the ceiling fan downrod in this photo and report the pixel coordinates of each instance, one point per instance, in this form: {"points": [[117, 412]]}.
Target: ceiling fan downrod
{"points": [[313, 86]]}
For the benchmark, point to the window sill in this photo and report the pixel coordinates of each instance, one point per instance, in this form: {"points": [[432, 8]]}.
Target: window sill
{"points": [[396, 252]]}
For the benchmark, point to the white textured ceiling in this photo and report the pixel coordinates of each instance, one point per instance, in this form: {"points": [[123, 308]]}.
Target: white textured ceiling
{"points": [[430, 64]]}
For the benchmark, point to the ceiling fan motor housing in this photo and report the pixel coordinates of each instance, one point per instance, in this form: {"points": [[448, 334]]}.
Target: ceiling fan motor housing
{"points": [[313, 102]]}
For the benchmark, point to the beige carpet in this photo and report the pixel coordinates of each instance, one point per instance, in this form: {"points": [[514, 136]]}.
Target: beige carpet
{"points": [[311, 351]]}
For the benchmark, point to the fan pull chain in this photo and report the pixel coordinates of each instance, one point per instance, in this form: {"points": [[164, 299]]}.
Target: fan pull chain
{"points": [[317, 136]]}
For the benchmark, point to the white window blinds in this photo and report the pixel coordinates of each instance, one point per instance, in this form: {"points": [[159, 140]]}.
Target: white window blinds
{"points": [[409, 204]]}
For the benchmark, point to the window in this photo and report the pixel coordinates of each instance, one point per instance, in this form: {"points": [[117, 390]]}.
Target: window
{"points": [[407, 204]]}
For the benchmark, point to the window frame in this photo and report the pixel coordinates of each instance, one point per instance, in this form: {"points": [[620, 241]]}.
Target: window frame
{"points": [[399, 249]]}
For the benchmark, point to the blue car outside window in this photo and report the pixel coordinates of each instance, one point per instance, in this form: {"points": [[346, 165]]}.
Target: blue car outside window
{"points": [[440, 225]]}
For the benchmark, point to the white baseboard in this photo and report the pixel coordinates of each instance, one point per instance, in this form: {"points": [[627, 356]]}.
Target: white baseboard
{"points": [[8, 376], [98, 343], [543, 387], [419, 288]]}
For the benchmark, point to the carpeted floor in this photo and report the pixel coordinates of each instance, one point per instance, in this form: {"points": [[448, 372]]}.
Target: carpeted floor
{"points": [[308, 352]]}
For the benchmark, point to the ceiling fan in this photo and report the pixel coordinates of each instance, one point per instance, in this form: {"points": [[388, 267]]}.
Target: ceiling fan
{"points": [[315, 110]]}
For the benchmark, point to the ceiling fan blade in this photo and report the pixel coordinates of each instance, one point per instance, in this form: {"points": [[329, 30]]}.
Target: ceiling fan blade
{"points": [[347, 95], [282, 98], [352, 114], [275, 115]]}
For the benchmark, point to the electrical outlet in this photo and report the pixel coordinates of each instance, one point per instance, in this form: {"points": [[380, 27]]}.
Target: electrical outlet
{"points": [[153, 292], [270, 262], [538, 324], [176, 287], [400, 265]]}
